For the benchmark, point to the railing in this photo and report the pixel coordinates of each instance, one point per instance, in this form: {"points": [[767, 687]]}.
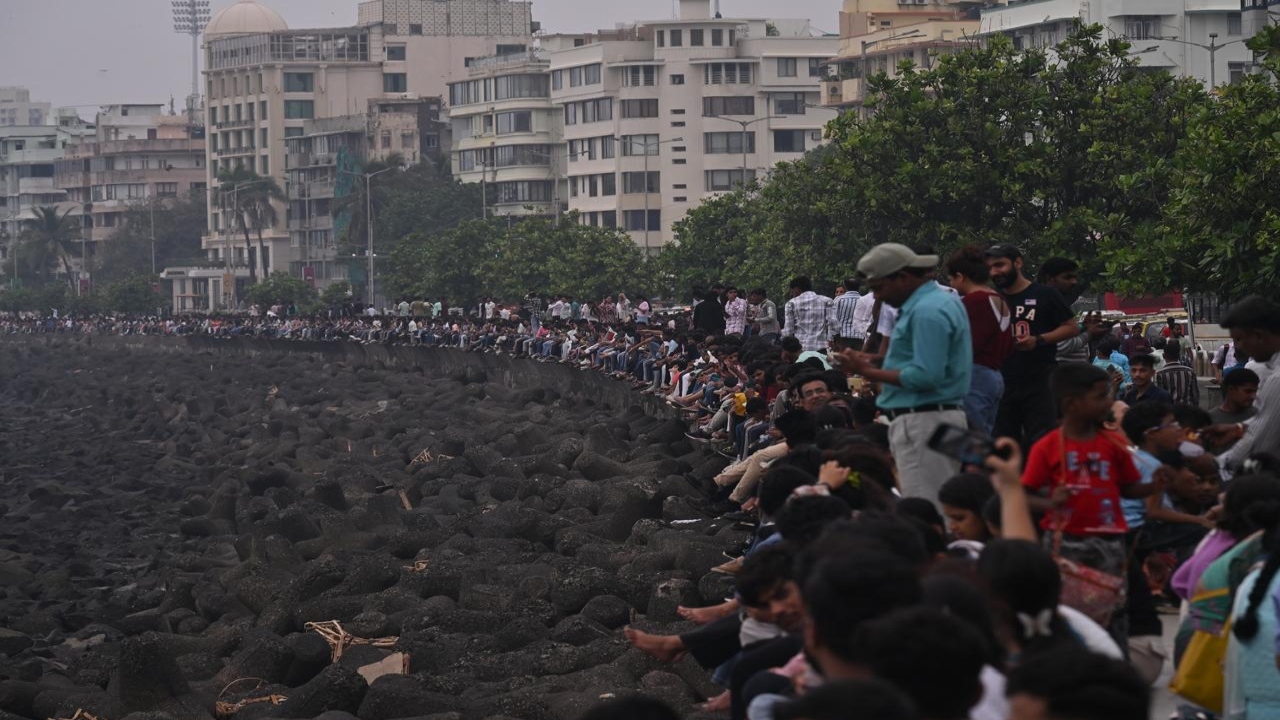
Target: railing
{"points": [[234, 124], [236, 151], [528, 56]]}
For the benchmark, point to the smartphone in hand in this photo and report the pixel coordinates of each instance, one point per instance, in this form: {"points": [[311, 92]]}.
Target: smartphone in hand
{"points": [[967, 446]]}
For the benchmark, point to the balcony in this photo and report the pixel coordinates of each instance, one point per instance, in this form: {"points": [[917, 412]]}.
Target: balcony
{"points": [[35, 185], [316, 222], [34, 156], [235, 124], [313, 190], [832, 92], [233, 151], [121, 147], [301, 160]]}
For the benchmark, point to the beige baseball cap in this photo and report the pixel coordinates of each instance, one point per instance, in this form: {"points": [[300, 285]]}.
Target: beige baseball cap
{"points": [[888, 258]]}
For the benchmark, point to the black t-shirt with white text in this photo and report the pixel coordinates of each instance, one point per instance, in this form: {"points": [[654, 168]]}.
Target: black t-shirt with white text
{"points": [[1037, 310]]}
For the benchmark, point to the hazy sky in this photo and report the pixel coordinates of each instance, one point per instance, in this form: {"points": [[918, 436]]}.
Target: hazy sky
{"points": [[94, 52]]}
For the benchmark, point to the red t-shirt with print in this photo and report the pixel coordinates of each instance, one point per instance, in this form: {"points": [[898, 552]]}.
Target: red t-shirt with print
{"points": [[1093, 471]]}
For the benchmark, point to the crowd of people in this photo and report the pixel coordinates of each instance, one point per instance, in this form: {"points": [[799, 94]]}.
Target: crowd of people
{"points": [[965, 500]]}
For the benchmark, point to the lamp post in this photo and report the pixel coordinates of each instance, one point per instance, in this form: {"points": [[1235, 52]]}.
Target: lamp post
{"points": [[746, 124], [84, 257], [1212, 48], [190, 18], [647, 145], [368, 215], [862, 57]]}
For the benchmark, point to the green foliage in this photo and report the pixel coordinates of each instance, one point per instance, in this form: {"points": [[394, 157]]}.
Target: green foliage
{"points": [[45, 246], [179, 223], [134, 294], [336, 294], [283, 288], [251, 196], [487, 257], [40, 298]]}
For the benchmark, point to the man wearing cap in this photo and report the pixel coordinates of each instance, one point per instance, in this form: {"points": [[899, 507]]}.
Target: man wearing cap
{"points": [[1041, 319], [927, 370]]}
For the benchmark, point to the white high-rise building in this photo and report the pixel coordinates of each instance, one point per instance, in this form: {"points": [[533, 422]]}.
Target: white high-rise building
{"points": [[1203, 39], [16, 108], [661, 115]]}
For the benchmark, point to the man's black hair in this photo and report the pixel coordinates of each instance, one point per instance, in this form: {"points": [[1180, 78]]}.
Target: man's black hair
{"points": [[1191, 417], [882, 530], [1076, 684], [1253, 313], [757, 404], [798, 427], [1073, 380], [801, 520], [864, 410], [1144, 416], [1145, 360], [763, 571], [1239, 378], [852, 283], [760, 292], [791, 344], [1172, 350], [968, 491], [1055, 266], [1003, 250], [777, 485], [841, 592], [832, 701], [934, 657], [632, 707], [801, 283]]}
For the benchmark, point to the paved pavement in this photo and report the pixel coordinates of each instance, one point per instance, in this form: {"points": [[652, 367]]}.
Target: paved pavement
{"points": [[1163, 702]]}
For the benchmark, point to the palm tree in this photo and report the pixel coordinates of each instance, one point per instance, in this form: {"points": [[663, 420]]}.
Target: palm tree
{"points": [[353, 204], [253, 209], [47, 241]]}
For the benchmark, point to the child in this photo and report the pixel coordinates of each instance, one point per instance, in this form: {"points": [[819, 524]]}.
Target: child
{"points": [[1084, 471]]}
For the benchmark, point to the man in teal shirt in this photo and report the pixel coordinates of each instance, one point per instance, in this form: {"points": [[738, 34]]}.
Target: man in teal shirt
{"points": [[925, 375]]}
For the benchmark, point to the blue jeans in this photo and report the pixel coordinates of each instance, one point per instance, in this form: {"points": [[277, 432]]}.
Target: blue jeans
{"points": [[980, 405]]}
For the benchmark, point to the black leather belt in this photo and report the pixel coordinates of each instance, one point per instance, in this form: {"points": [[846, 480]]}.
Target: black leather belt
{"points": [[894, 413]]}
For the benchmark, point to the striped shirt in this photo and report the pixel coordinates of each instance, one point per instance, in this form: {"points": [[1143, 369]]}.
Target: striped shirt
{"points": [[846, 323], [1181, 382]]}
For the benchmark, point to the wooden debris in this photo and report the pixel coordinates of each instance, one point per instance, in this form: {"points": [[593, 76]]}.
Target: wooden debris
{"points": [[81, 714], [426, 456], [339, 639], [393, 664], [418, 566], [404, 499]]}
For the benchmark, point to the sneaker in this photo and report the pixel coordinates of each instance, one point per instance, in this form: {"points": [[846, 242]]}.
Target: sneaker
{"points": [[701, 436]]}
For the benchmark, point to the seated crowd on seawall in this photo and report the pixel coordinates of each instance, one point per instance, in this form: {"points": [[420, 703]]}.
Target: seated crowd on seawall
{"points": [[965, 499]]}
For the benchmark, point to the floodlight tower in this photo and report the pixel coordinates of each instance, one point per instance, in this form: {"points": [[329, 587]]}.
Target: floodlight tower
{"points": [[190, 18]]}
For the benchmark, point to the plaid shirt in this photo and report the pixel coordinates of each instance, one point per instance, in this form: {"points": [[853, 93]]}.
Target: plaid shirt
{"points": [[846, 326], [810, 319]]}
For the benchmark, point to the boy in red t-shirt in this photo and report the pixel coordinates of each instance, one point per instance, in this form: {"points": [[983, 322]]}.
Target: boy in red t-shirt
{"points": [[1083, 470]]}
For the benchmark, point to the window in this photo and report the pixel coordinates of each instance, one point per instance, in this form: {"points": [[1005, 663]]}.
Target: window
{"points": [[676, 79], [415, 29], [695, 38], [721, 105], [680, 198], [786, 67], [788, 104], [515, 122], [1142, 27], [557, 79], [727, 74], [167, 189], [815, 67], [469, 92], [635, 219], [520, 86], [637, 145], [1233, 24], [677, 38], [609, 219], [716, 143], [677, 111], [262, 110], [635, 182], [677, 123], [679, 161], [639, 108], [607, 149], [790, 141], [640, 76], [390, 29], [662, 38], [248, 110], [1236, 72], [395, 83], [721, 180], [299, 109], [213, 116], [292, 132], [584, 75], [522, 191], [588, 111], [386, 139], [262, 137], [717, 38], [608, 184], [406, 141], [264, 165], [299, 82], [395, 52]]}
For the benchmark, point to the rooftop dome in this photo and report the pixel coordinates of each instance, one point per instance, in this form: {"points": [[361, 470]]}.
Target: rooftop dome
{"points": [[246, 17]]}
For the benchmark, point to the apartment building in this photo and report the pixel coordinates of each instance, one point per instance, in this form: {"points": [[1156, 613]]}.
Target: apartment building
{"points": [[16, 108], [877, 35], [1203, 39], [27, 157], [320, 167], [667, 113], [507, 134], [136, 153]]}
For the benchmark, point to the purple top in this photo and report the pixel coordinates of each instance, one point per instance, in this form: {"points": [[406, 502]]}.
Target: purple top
{"points": [[1188, 576]]}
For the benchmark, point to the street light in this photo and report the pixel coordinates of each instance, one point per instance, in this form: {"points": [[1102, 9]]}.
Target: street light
{"points": [[368, 214], [84, 258], [745, 124], [12, 251], [228, 277], [646, 144], [190, 18], [1213, 47]]}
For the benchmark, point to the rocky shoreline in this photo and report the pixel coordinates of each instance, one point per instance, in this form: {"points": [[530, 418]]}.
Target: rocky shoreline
{"points": [[176, 514]]}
